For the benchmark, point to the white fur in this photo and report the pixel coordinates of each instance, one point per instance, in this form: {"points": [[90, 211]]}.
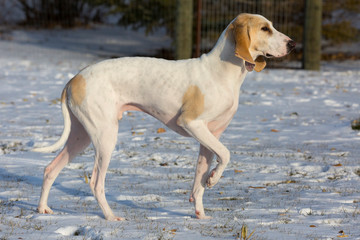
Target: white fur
{"points": [[195, 97]]}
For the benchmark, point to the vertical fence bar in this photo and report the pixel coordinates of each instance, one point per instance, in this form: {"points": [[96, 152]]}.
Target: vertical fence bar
{"points": [[198, 28]]}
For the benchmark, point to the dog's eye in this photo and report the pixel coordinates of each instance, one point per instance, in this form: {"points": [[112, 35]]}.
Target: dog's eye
{"points": [[265, 29]]}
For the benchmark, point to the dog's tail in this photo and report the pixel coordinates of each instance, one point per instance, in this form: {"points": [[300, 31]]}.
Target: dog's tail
{"points": [[66, 131]]}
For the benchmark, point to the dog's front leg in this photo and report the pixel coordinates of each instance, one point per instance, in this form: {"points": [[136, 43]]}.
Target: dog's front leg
{"points": [[199, 130], [202, 171]]}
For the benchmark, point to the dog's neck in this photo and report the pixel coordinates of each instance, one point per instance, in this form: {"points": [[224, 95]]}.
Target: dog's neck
{"points": [[222, 56]]}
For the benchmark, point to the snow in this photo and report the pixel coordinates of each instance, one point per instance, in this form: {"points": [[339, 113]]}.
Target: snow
{"points": [[294, 172]]}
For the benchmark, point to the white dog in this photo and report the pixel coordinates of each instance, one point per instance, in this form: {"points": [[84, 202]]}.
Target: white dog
{"points": [[194, 97]]}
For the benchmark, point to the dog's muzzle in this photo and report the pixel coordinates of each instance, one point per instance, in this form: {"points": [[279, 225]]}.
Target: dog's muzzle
{"points": [[290, 45]]}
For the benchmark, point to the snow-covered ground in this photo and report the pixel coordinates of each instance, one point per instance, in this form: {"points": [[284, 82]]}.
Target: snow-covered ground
{"points": [[294, 172]]}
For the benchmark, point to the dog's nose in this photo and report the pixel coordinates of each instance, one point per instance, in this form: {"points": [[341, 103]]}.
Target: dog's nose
{"points": [[291, 45]]}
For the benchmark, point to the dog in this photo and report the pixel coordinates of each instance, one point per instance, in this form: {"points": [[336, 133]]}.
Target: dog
{"points": [[195, 97]]}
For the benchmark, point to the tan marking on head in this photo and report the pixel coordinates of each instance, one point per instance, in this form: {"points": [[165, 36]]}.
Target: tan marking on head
{"points": [[242, 29], [193, 104], [77, 89]]}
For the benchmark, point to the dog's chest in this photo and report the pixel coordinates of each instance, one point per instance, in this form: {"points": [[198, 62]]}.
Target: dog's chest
{"points": [[223, 117]]}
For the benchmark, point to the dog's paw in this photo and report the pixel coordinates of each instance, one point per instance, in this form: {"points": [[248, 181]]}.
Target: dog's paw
{"points": [[202, 215], [115, 219], [213, 179], [45, 210]]}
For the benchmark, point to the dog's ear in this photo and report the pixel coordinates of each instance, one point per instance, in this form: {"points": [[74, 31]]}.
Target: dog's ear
{"points": [[242, 40], [260, 63]]}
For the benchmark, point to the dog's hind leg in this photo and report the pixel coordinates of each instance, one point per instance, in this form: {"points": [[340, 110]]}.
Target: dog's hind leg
{"points": [[104, 139], [78, 140]]}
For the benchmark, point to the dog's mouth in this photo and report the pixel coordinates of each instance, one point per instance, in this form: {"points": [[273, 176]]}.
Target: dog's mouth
{"points": [[269, 55], [249, 66]]}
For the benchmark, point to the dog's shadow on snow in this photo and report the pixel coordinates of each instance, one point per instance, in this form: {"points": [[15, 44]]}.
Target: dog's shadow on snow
{"points": [[15, 199], [166, 213], [36, 183]]}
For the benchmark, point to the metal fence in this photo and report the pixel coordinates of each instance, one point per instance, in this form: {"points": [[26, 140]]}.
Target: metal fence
{"points": [[216, 15], [287, 16]]}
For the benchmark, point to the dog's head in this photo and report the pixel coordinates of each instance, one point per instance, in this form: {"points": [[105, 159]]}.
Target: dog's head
{"points": [[254, 38]]}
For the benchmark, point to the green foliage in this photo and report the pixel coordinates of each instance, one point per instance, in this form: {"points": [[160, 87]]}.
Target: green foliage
{"points": [[151, 14], [148, 14], [50, 13]]}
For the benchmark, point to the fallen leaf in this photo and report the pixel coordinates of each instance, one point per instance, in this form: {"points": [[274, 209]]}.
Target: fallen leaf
{"points": [[290, 181], [274, 130], [355, 124], [312, 226], [55, 101], [337, 165], [244, 231], [136, 133], [255, 139], [238, 171], [86, 178], [343, 235], [256, 187], [161, 130]]}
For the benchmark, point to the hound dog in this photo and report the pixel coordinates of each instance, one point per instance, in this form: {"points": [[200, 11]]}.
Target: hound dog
{"points": [[195, 98]]}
